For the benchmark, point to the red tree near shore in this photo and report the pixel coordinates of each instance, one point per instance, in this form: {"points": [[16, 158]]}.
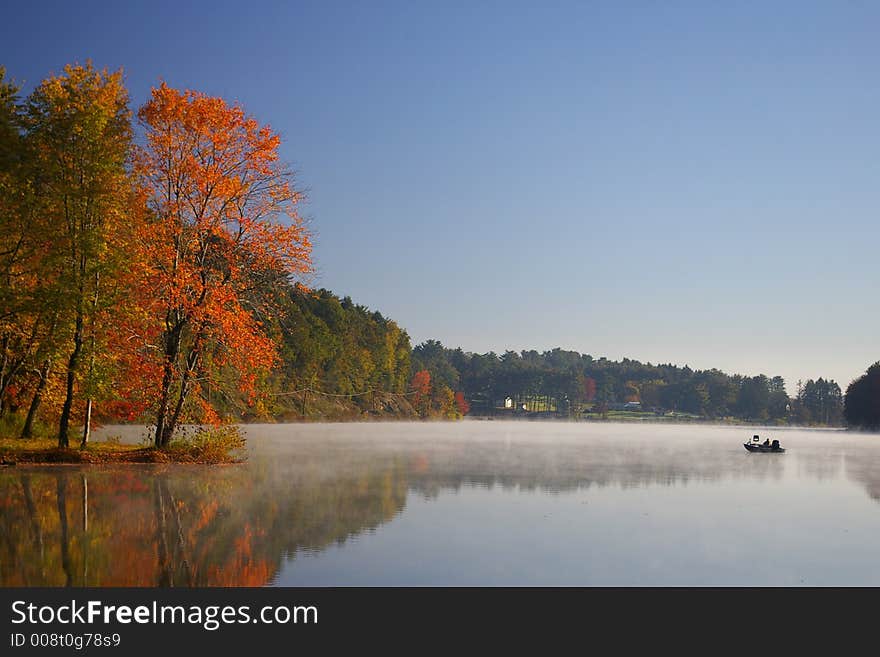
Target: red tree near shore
{"points": [[462, 403], [421, 386], [223, 215], [589, 389]]}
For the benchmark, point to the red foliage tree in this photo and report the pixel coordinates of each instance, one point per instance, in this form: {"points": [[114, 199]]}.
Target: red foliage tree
{"points": [[223, 216], [462, 403], [421, 387], [589, 389]]}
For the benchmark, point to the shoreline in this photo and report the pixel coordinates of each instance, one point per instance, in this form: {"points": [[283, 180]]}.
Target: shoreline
{"points": [[15, 452]]}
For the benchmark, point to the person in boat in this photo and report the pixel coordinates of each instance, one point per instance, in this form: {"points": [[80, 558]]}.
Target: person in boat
{"points": [[766, 443]]}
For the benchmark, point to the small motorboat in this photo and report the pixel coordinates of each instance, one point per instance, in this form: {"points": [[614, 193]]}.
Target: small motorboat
{"points": [[757, 446]]}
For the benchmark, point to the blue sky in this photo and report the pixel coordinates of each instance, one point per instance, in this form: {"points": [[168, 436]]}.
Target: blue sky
{"points": [[673, 182]]}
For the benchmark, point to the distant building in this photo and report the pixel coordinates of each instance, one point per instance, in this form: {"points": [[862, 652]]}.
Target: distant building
{"points": [[625, 406]]}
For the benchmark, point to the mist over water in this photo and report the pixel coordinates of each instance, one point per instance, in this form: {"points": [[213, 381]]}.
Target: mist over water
{"points": [[467, 503]]}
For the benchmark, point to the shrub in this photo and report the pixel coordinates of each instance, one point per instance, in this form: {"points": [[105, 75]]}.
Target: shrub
{"points": [[223, 444]]}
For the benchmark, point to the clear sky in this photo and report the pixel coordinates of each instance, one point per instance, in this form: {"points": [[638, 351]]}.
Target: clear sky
{"points": [[686, 182]]}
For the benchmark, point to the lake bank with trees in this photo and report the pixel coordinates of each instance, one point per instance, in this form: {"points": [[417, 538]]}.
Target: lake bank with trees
{"points": [[153, 269]]}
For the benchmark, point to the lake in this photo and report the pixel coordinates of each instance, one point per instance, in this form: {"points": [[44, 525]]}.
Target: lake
{"points": [[463, 503]]}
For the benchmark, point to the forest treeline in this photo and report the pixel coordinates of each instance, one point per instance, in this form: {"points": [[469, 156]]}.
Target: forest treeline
{"points": [[339, 359], [567, 383], [151, 270]]}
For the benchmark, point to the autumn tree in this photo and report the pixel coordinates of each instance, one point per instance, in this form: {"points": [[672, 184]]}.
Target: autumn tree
{"points": [[78, 128], [444, 401], [421, 389], [223, 209], [13, 246], [29, 297], [461, 403], [589, 389]]}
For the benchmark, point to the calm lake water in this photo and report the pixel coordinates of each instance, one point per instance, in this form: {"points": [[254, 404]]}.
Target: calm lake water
{"points": [[467, 503]]}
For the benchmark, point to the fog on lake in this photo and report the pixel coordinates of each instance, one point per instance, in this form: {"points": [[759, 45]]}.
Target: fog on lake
{"points": [[459, 503]]}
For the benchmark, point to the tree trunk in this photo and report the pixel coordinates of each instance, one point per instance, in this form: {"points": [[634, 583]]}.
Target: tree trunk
{"points": [[90, 379], [172, 348], [28, 430], [11, 367], [192, 359], [87, 422], [163, 405], [171, 424], [72, 366], [4, 359]]}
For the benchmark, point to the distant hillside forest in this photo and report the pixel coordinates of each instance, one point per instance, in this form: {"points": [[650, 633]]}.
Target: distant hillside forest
{"points": [[342, 360], [339, 359], [568, 383]]}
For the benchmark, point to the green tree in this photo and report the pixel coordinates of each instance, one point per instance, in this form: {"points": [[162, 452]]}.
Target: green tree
{"points": [[862, 402], [336, 347], [819, 402], [778, 403], [431, 355], [754, 398], [444, 402], [79, 128]]}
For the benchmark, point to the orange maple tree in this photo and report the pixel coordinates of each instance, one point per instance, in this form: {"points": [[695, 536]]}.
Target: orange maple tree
{"points": [[589, 389], [462, 403], [421, 387], [224, 222]]}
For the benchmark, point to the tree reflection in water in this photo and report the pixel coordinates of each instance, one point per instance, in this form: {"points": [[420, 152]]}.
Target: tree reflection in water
{"points": [[173, 526], [177, 526]]}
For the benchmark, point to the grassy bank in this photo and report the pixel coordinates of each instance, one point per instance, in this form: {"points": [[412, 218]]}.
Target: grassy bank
{"points": [[206, 447]]}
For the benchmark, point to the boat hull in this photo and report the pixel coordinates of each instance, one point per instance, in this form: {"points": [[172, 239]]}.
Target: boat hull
{"points": [[763, 449]]}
